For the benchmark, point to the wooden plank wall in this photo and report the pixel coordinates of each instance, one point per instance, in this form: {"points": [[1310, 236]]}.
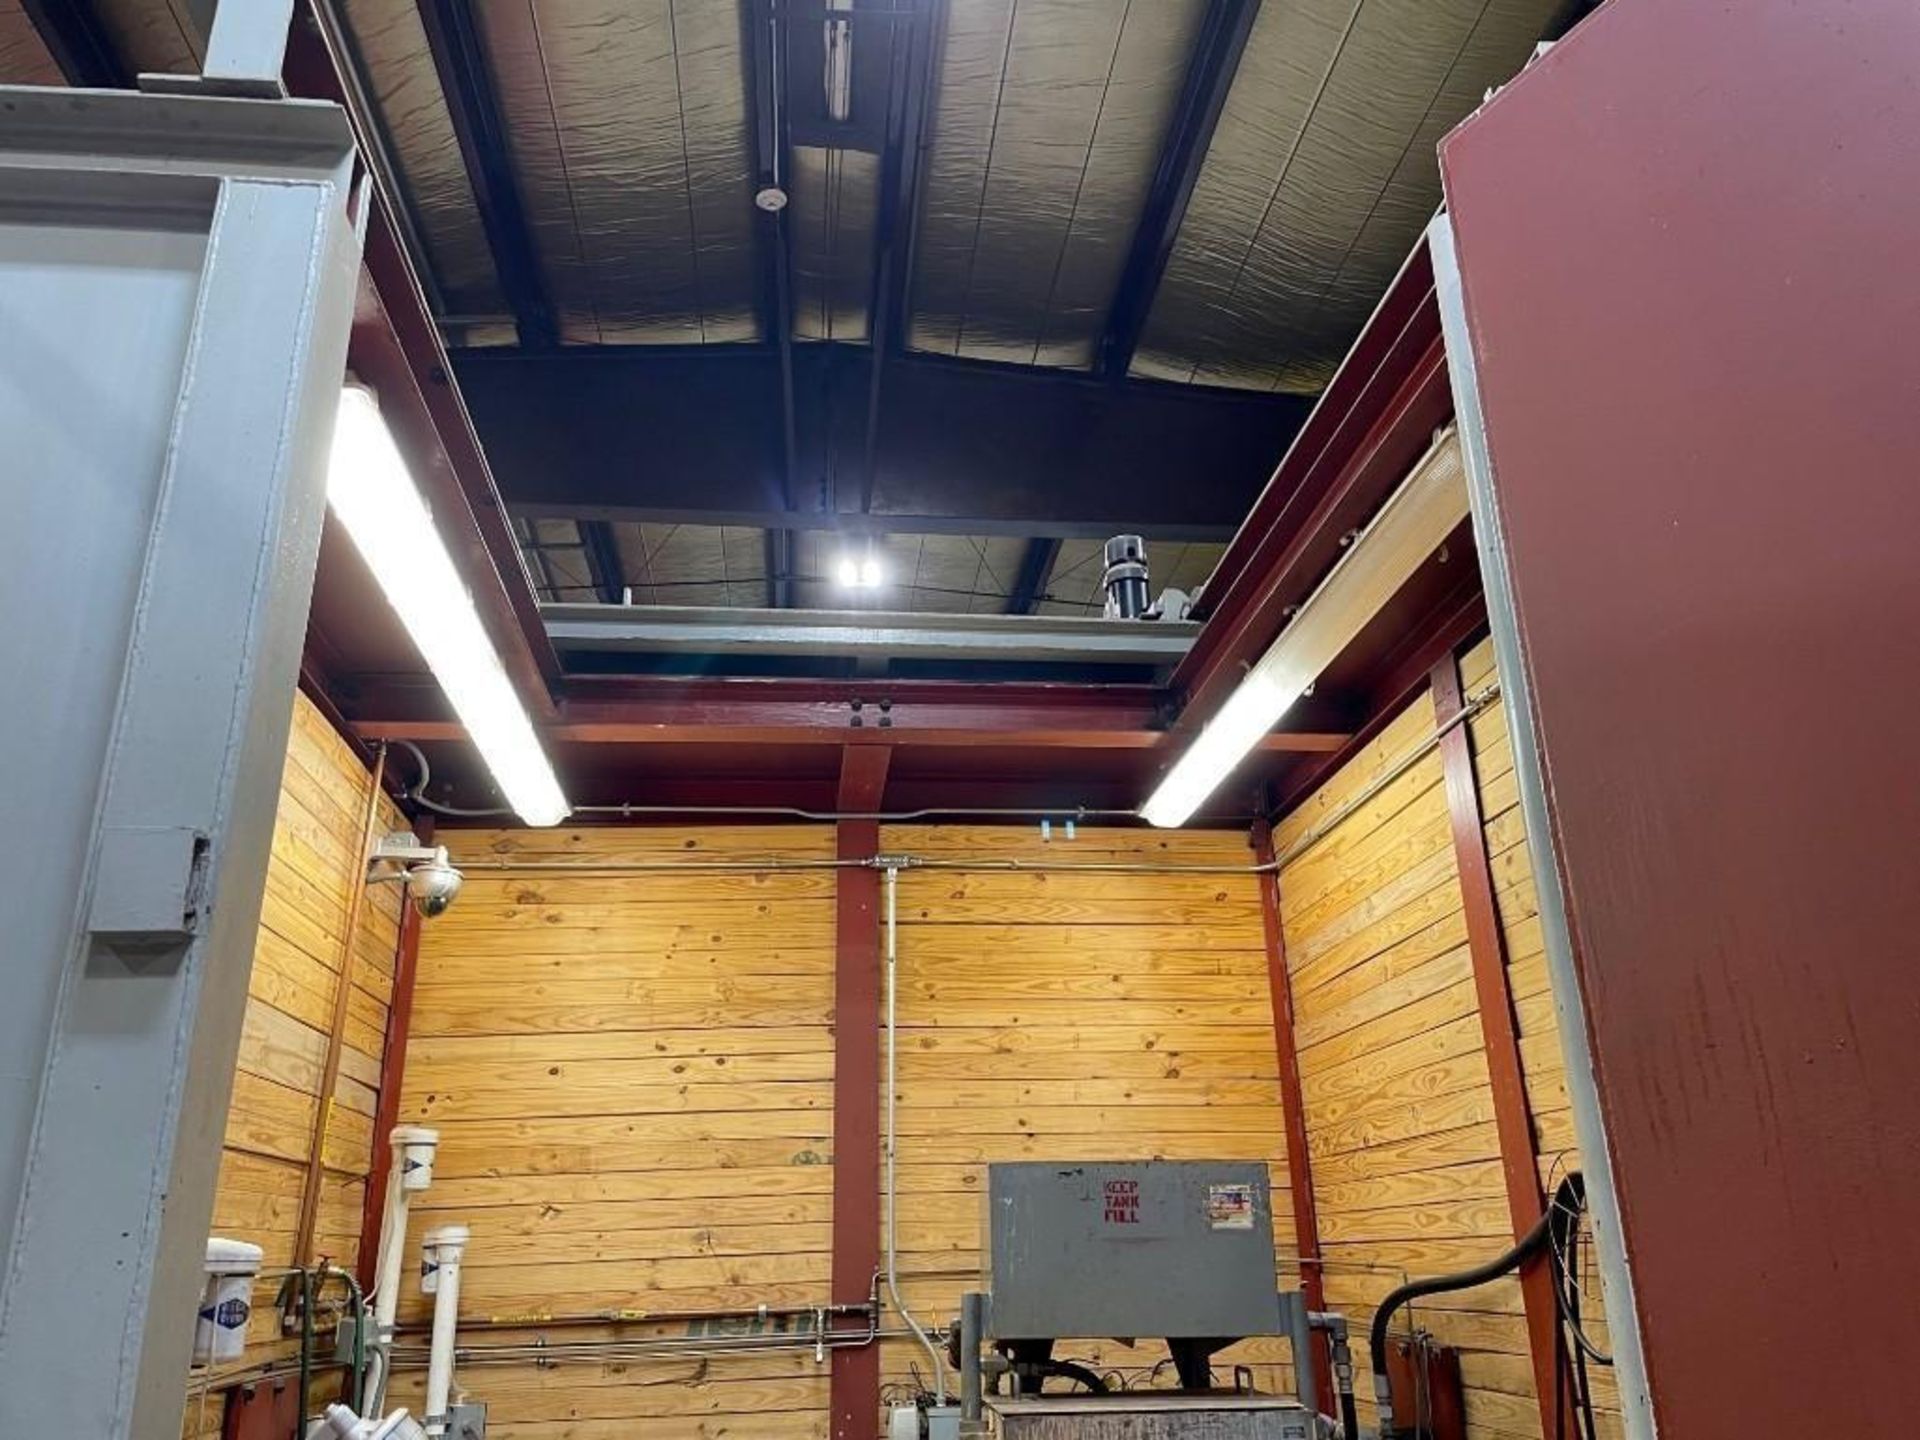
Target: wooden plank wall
{"points": [[1542, 1065], [312, 879], [1406, 1162], [633, 1079], [1074, 1017], [632, 1075]]}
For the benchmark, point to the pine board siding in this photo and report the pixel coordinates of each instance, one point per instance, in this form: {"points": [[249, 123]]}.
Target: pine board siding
{"points": [[1399, 1107], [632, 1075], [1054, 1016], [312, 879]]}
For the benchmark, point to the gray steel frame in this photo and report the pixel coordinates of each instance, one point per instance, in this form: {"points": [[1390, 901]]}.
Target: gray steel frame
{"points": [[177, 274], [1516, 698], [886, 633]]}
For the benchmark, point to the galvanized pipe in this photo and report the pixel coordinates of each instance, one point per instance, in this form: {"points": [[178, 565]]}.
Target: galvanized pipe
{"points": [[775, 865], [892, 1187], [972, 1314], [1299, 1323]]}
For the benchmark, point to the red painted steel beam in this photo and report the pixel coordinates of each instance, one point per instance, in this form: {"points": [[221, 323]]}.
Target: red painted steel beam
{"points": [[396, 349], [1306, 538], [804, 712], [1403, 676], [854, 1387], [628, 732], [1293, 1107], [1512, 1111], [1376, 418], [393, 1069]]}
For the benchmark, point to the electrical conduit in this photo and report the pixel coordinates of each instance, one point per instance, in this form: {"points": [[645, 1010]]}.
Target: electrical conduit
{"points": [[893, 1259], [444, 1248], [413, 1148]]}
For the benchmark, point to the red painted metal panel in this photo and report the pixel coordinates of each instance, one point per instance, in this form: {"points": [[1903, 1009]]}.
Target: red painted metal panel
{"points": [[1293, 1107], [1512, 1113], [854, 1388], [1686, 239]]}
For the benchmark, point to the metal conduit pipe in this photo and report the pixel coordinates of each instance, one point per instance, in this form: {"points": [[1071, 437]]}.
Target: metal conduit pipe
{"points": [[597, 1351], [534, 1321], [773, 866], [892, 1187]]}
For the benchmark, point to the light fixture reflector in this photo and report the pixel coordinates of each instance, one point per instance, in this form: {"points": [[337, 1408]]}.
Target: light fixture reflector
{"points": [[374, 495], [1414, 522]]}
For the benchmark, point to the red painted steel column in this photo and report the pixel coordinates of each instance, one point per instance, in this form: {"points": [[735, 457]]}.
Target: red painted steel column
{"points": [[854, 1395], [1512, 1114], [1306, 1218], [393, 1069]]}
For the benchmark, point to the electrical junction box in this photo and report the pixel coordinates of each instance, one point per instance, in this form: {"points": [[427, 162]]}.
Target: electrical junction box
{"points": [[1160, 1248], [936, 1422]]}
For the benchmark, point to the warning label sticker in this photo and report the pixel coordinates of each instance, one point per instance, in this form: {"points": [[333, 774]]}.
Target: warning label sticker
{"points": [[1230, 1207]]}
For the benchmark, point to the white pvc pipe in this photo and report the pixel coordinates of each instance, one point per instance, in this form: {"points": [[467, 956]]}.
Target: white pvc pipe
{"points": [[893, 1261], [444, 1248], [412, 1170]]}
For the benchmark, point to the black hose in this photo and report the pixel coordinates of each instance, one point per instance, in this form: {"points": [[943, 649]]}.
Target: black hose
{"points": [[1079, 1374], [1397, 1299], [1556, 1231], [1349, 1415]]}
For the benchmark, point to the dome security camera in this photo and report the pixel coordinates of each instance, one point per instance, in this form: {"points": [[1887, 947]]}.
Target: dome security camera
{"points": [[429, 876], [432, 885]]}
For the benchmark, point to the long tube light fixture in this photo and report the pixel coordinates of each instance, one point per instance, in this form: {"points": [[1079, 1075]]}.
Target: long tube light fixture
{"points": [[374, 495], [1414, 522]]}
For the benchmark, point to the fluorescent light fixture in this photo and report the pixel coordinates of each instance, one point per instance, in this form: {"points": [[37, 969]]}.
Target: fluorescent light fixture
{"points": [[837, 81], [849, 572], [370, 489], [870, 573], [1414, 522]]}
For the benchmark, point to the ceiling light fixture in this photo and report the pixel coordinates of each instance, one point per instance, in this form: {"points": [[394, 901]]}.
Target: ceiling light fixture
{"points": [[860, 572], [373, 494], [1414, 522]]}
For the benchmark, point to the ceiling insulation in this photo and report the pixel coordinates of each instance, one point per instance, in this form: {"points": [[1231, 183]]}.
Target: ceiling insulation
{"points": [[556, 560], [929, 574], [1075, 587], [834, 197], [155, 36], [393, 54], [632, 153], [715, 565], [23, 59], [693, 564], [1047, 124], [1319, 179]]}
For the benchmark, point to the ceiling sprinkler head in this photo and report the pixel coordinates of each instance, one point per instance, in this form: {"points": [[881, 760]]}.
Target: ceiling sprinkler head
{"points": [[771, 198]]}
